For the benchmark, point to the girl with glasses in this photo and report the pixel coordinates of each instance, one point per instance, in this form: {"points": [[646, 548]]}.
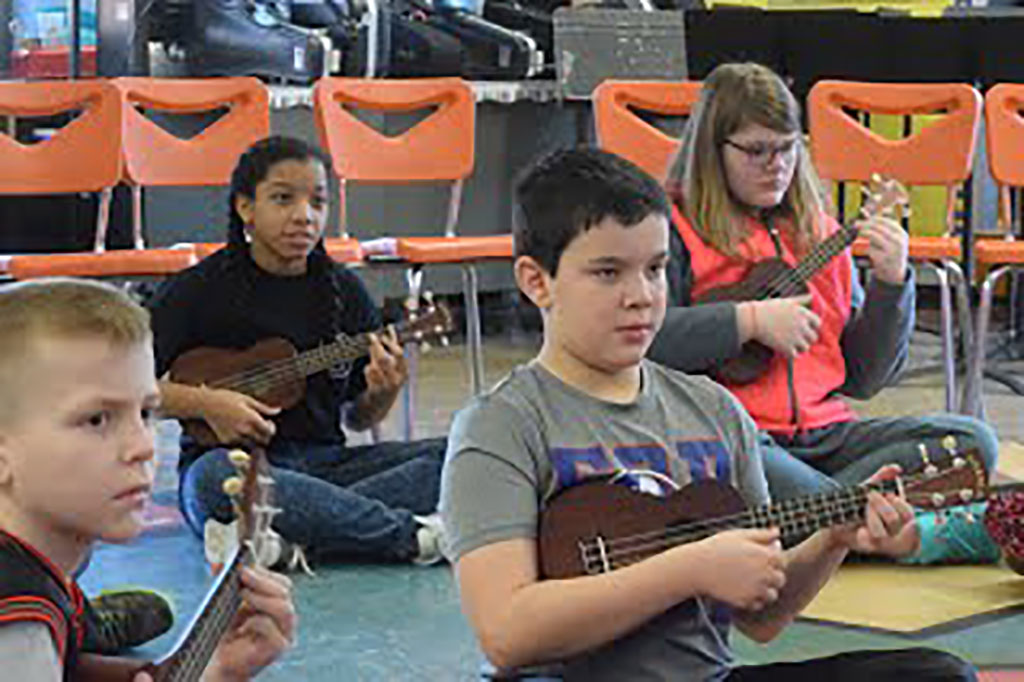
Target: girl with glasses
{"points": [[745, 191]]}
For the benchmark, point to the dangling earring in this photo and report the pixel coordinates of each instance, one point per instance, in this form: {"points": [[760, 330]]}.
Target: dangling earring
{"points": [[246, 230]]}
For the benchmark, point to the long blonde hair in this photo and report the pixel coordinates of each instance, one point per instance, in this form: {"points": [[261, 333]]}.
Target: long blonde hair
{"points": [[732, 97]]}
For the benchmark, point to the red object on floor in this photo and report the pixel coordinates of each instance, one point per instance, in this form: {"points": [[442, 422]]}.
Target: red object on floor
{"points": [[50, 62]]}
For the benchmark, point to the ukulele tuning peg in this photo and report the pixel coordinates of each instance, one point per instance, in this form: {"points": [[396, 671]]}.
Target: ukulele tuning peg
{"points": [[938, 499], [438, 329], [232, 487], [929, 468], [966, 495], [959, 462], [444, 341], [949, 443], [239, 458], [418, 336], [428, 297]]}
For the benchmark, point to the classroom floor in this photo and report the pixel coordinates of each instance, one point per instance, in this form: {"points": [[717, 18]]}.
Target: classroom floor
{"points": [[385, 622]]}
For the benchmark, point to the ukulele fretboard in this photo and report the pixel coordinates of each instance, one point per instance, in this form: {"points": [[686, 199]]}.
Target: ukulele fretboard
{"points": [[819, 256], [795, 518], [190, 659]]}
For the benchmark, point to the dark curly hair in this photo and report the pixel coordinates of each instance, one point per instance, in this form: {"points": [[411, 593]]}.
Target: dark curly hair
{"points": [[253, 167]]}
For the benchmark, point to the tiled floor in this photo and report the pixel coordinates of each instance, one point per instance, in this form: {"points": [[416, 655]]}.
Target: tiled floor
{"points": [[366, 622]]}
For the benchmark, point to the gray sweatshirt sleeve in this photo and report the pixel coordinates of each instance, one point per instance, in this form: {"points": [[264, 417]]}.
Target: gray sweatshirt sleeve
{"points": [[693, 338], [876, 338]]}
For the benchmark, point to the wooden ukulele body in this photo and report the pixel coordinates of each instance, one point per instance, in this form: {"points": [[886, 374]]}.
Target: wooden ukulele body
{"points": [[754, 357], [205, 366], [597, 509]]}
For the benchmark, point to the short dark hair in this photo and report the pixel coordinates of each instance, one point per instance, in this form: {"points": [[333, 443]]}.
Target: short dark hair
{"points": [[568, 192]]}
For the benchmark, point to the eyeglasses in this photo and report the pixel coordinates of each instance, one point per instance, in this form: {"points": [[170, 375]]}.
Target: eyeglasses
{"points": [[761, 153]]}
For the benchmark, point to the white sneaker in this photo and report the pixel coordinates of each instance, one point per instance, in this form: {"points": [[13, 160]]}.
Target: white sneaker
{"points": [[221, 539], [430, 536]]}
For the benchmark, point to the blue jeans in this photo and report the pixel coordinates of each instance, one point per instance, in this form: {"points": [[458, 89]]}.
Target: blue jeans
{"points": [[336, 501], [847, 453]]}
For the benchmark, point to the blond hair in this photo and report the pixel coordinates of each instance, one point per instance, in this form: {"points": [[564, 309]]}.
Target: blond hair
{"points": [[732, 97], [61, 308]]}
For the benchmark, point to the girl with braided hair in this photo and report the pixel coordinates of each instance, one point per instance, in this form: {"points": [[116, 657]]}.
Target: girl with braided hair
{"points": [[275, 279]]}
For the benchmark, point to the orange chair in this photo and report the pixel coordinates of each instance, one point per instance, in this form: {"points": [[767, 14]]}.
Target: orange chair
{"points": [[621, 131], [157, 158], [84, 156], [438, 148], [1004, 128], [940, 154]]}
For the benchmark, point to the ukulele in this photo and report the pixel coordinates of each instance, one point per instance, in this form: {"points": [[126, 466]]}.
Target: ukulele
{"points": [[274, 372], [598, 526], [251, 495], [774, 278]]}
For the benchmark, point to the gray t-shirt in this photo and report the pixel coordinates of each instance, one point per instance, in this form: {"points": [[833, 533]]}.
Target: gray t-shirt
{"points": [[532, 435]]}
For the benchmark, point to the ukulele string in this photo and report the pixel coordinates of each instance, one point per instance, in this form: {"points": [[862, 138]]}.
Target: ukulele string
{"points": [[194, 662], [841, 512], [785, 514], [837, 506], [787, 283], [265, 376]]}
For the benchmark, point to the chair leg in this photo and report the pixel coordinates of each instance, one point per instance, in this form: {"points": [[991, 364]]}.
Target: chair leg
{"points": [[414, 282], [946, 327], [974, 403], [137, 239], [103, 220], [474, 336], [964, 323]]}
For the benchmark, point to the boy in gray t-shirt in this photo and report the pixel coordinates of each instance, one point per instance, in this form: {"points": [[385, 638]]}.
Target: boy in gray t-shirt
{"points": [[591, 247]]}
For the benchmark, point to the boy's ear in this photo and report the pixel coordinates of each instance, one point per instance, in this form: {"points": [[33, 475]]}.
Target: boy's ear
{"points": [[534, 281], [244, 208]]}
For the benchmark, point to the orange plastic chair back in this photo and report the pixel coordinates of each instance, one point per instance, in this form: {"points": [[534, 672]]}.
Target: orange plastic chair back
{"points": [[1004, 133], [939, 154], [83, 156], [441, 147], [622, 132], [154, 156], [1004, 128]]}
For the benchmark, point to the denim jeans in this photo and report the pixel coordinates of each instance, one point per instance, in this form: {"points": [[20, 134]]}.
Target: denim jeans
{"points": [[847, 453], [336, 501]]}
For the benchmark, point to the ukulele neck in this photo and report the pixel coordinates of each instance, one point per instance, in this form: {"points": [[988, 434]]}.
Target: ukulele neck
{"points": [[326, 356], [798, 517], [819, 256], [189, 659]]}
